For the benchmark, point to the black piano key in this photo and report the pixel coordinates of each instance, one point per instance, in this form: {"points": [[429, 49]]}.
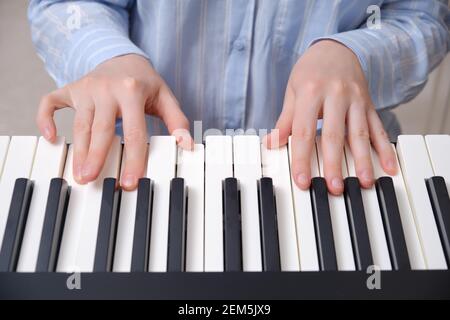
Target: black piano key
{"points": [[323, 227], [232, 226], [358, 226], [269, 226], [392, 222], [440, 202], [142, 227], [15, 225], [55, 216], [107, 226], [177, 226]]}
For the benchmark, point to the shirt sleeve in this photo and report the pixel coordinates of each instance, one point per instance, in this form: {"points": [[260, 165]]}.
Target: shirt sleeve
{"points": [[73, 37], [411, 40]]}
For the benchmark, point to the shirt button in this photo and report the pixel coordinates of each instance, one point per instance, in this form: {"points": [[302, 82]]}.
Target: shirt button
{"points": [[239, 45]]}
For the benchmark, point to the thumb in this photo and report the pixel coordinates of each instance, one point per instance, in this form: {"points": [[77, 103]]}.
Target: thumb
{"points": [[176, 122], [283, 128]]}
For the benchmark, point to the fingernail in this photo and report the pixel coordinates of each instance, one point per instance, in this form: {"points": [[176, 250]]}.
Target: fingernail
{"points": [[337, 183], [366, 176], [78, 175], [302, 179], [265, 140], [85, 172], [47, 133], [391, 164], [129, 181]]}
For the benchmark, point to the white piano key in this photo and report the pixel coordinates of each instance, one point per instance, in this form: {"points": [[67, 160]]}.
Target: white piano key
{"points": [[48, 164], [375, 228], [74, 220], [161, 170], [416, 167], [92, 202], [218, 166], [79, 238], [125, 232], [247, 170], [4, 143], [306, 236], [125, 229], [413, 245], [439, 150], [275, 164], [18, 164], [339, 220], [191, 166]]}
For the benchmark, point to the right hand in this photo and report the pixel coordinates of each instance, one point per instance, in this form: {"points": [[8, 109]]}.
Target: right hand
{"points": [[125, 87]]}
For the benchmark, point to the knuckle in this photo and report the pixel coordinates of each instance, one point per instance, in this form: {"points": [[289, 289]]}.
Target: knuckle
{"points": [[311, 88], [339, 87], [131, 85], [102, 125], [81, 126], [332, 137], [135, 136], [45, 101], [305, 135], [383, 134], [357, 91], [359, 134], [130, 82]]}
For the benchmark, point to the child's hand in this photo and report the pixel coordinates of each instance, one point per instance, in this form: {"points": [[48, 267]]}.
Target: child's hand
{"points": [[126, 87], [328, 82]]}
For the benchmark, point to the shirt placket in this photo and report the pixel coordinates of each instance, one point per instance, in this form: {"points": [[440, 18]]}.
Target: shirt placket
{"points": [[237, 73]]}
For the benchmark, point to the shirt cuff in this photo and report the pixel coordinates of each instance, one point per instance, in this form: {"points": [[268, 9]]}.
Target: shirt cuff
{"points": [[94, 46]]}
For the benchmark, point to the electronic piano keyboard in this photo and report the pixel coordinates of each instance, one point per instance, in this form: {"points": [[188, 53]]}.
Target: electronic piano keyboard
{"points": [[224, 221]]}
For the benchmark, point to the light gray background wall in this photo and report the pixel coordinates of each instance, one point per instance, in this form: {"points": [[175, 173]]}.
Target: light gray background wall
{"points": [[23, 81]]}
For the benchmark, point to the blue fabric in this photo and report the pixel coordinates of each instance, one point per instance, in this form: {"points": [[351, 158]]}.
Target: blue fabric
{"points": [[228, 61]]}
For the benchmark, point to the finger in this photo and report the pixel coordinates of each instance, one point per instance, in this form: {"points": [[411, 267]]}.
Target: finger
{"points": [[283, 128], [56, 100], [304, 130], [381, 143], [102, 135], [135, 137], [81, 139], [333, 137], [358, 138], [175, 120]]}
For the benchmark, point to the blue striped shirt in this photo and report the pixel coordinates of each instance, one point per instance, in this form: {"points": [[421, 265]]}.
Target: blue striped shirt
{"points": [[228, 61]]}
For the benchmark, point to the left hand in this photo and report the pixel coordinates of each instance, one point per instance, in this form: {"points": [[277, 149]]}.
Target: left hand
{"points": [[328, 82]]}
